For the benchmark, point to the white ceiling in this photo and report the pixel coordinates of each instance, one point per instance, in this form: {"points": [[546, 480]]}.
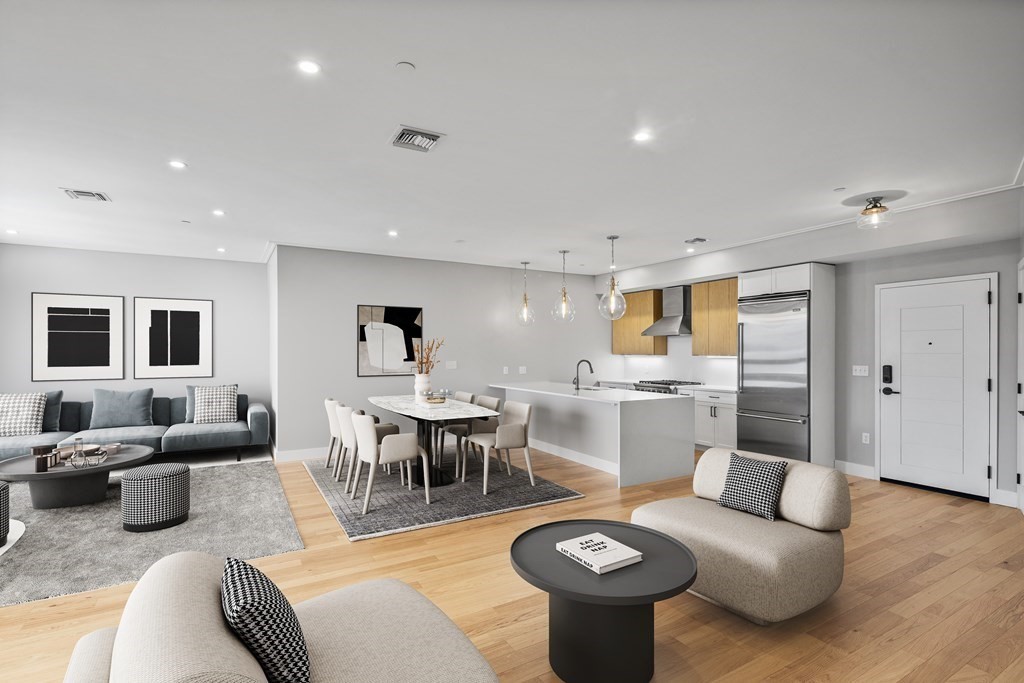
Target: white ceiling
{"points": [[758, 109]]}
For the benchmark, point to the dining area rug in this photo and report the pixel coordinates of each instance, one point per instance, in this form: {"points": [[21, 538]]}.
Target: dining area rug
{"points": [[394, 508], [237, 510]]}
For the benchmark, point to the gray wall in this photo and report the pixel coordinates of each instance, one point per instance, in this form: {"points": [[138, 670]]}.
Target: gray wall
{"points": [[855, 340], [470, 306], [240, 318]]}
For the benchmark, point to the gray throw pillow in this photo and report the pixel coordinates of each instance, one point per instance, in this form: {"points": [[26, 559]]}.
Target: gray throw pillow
{"points": [[51, 416], [190, 403], [121, 408]]}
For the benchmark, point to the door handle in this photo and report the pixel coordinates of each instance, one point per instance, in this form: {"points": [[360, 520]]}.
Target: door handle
{"points": [[888, 391], [798, 421]]}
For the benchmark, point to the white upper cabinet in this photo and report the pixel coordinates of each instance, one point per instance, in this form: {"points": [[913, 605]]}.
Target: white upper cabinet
{"points": [[776, 280]]}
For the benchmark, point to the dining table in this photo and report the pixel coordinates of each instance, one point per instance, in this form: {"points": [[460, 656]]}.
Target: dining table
{"points": [[428, 417]]}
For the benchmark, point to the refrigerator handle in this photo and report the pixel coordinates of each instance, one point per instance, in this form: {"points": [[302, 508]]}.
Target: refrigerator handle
{"points": [[798, 421], [739, 359]]}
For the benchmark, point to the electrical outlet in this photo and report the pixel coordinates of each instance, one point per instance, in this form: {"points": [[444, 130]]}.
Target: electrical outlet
{"points": [[504, 370], [450, 365], [860, 371], [865, 437], [522, 369]]}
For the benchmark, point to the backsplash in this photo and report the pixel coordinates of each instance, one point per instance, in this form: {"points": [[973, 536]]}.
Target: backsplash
{"points": [[678, 364]]}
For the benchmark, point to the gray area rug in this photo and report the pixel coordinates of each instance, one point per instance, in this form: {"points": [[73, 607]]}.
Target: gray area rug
{"points": [[394, 509], [236, 510]]}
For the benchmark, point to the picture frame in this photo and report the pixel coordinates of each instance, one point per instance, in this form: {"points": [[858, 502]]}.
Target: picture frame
{"points": [[385, 339], [77, 337], [173, 338]]}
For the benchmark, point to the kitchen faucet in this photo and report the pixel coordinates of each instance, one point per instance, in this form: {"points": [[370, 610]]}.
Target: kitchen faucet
{"points": [[576, 382]]}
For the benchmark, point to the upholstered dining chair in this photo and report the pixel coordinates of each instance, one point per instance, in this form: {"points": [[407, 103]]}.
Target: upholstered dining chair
{"points": [[332, 420], [512, 432], [350, 444], [460, 430], [400, 448]]}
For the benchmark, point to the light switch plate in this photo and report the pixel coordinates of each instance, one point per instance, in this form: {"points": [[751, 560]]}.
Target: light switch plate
{"points": [[865, 437], [504, 370], [450, 365], [860, 371], [522, 369]]}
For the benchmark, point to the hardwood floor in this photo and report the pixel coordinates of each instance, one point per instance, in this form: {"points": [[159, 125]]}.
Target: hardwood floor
{"points": [[934, 591]]}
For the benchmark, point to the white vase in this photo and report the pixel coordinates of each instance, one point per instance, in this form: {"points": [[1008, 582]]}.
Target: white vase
{"points": [[421, 387]]}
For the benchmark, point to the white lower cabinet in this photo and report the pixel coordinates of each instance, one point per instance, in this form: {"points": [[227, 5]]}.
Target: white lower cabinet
{"points": [[715, 423]]}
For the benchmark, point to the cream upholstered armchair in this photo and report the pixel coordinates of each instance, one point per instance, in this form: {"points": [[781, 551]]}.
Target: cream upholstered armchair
{"points": [[513, 431], [349, 445], [400, 448], [460, 430], [332, 420]]}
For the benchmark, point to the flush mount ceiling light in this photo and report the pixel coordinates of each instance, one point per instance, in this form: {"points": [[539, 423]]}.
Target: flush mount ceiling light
{"points": [[392, 233], [221, 250], [308, 67], [874, 215], [12, 232], [218, 212], [564, 310], [524, 314], [177, 164], [612, 305], [690, 250], [643, 136]]}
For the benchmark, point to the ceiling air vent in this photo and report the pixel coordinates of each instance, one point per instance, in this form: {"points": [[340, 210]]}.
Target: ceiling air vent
{"points": [[696, 240], [87, 195], [416, 138]]}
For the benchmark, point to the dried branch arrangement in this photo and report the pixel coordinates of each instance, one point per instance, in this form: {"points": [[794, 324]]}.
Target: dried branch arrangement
{"points": [[426, 359]]}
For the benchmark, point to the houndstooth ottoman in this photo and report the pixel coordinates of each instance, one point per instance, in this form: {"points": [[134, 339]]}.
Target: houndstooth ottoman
{"points": [[155, 496], [5, 512]]}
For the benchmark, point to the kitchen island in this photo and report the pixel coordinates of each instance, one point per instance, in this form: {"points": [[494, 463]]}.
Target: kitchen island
{"points": [[639, 436]]}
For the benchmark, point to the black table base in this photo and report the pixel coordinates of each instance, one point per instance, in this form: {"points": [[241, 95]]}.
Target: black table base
{"points": [[590, 643], [84, 489]]}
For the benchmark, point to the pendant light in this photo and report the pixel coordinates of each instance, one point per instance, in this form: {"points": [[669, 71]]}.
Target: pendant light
{"points": [[874, 215], [564, 310], [524, 314], [612, 305]]}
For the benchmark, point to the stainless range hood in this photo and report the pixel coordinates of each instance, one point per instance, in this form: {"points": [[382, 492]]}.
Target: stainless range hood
{"points": [[675, 318]]}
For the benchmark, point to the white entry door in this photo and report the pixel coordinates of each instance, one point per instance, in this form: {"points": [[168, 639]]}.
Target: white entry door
{"points": [[936, 403]]}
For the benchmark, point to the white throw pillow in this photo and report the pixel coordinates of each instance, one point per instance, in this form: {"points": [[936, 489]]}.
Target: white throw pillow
{"points": [[216, 404], [22, 414]]}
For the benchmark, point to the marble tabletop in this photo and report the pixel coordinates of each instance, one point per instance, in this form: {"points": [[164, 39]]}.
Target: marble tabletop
{"points": [[449, 410]]}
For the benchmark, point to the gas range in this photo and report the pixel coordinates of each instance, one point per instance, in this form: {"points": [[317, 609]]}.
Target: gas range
{"points": [[663, 386]]}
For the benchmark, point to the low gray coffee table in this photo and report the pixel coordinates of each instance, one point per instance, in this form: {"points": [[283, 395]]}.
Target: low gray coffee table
{"points": [[601, 626], [66, 486]]}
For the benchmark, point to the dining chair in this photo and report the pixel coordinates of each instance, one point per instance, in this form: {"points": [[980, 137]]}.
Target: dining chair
{"points": [[458, 429], [349, 443], [484, 425], [400, 448], [513, 432], [332, 420]]}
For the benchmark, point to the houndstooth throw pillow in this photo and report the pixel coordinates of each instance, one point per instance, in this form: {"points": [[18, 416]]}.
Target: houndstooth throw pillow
{"points": [[216, 404], [22, 414], [753, 486], [261, 617]]}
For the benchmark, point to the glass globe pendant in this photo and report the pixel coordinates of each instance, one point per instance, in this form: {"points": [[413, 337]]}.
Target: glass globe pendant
{"points": [[612, 305], [564, 310], [874, 215], [524, 314]]}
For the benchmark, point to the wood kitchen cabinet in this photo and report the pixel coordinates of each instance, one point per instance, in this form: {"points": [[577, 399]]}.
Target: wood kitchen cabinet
{"points": [[713, 321], [643, 309]]}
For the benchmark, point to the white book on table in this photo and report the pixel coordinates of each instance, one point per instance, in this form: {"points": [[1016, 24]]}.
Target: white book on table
{"points": [[599, 553]]}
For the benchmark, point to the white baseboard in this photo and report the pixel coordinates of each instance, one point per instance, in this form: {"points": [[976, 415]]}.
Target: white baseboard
{"points": [[576, 456], [856, 469], [1001, 497], [300, 454]]}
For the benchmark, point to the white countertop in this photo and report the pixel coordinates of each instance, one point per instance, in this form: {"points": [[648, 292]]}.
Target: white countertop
{"points": [[601, 395], [701, 387]]}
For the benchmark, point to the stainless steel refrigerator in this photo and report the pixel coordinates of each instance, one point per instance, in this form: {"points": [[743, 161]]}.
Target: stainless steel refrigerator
{"points": [[773, 413]]}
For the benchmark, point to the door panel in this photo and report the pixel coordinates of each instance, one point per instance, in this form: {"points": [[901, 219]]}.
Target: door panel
{"points": [[773, 366], [725, 426], [700, 318], [935, 431], [704, 426], [786, 437], [722, 317]]}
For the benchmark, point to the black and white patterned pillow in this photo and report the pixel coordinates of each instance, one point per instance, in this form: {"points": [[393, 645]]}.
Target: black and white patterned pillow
{"points": [[262, 618], [753, 486], [216, 404], [22, 414]]}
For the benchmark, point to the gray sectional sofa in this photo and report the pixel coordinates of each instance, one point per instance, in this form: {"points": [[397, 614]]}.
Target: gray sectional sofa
{"points": [[168, 433]]}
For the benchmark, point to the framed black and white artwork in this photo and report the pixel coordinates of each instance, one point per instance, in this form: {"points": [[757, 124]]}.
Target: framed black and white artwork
{"points": [[77, 336], [173, 338], [387, 336]]}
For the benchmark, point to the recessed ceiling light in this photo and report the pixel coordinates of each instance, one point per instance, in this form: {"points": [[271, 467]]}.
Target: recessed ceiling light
{"points": [[221, 249], [218, 212], [392, 233], [405, 66], [12, 232], [642, 136], [185, 221], [177, 164], [690, 250], [308, 67]]}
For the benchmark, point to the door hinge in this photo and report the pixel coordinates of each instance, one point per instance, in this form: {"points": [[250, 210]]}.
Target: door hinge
{"points": [[1018, 478], [990, 384], [1020, 298], [990, 471], [1018, 387], [990, 297]]}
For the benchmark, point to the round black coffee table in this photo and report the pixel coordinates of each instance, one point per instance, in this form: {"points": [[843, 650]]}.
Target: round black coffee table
{"points": [[66, 486], [601, 626]]}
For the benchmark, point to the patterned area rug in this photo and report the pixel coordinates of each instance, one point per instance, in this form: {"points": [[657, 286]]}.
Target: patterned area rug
{"points": [[236, 510], [394, 509]]}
